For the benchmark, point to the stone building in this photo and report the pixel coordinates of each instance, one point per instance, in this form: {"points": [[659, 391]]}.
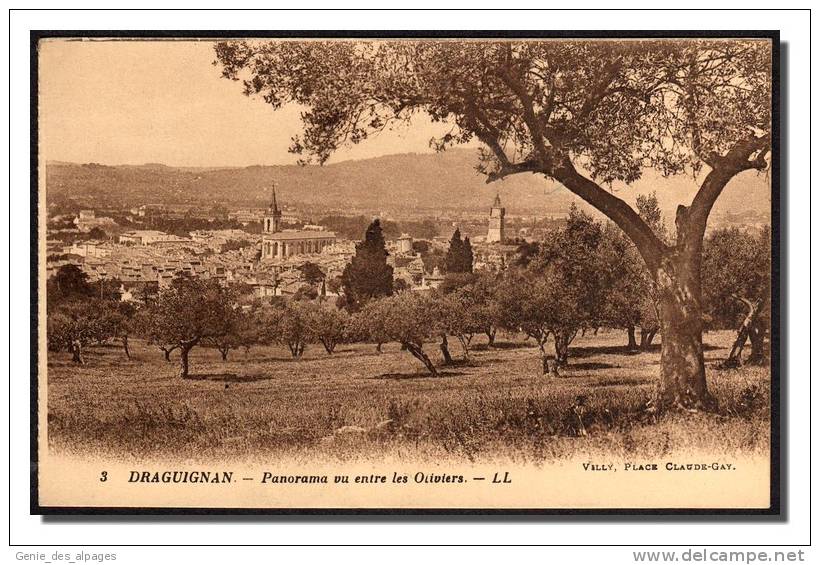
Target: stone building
{"points": [[87, 220], [405, 244], [148, 237], [278, 245], [433, 280]]}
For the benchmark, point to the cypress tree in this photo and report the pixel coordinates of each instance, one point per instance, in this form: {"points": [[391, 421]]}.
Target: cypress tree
{"points": [[459, 258], [467, 255], [368, 275]]}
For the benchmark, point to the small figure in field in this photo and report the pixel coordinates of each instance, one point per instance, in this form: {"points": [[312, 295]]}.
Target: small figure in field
{"points": [[549, 366], [575, 417], [77, 351]]}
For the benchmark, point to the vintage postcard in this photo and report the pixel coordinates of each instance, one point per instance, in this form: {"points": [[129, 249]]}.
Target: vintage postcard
{"points": [[406, 272]]}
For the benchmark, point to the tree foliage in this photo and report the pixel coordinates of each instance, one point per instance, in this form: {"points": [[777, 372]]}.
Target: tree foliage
{"points": [[737, 287], [629, 300], [459, 314], [562, 288], [290, 325], [74, 324], [619, 107], [311, 273], [370, 324], [81, 312], [409, 318], [187, 312], [329, 325], [736, 263], [477, 294], [242, 333], [70, 283]]}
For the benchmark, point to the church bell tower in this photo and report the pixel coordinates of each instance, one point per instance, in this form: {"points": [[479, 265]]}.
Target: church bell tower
{"points": [[273, 216], [495, 232]]}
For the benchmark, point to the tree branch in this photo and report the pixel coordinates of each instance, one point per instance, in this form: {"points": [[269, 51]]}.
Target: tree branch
{"points": [[752, 306], [534, 125], [488, 134], [649, 245], [746, 154], [507, 168], [601, 89]]}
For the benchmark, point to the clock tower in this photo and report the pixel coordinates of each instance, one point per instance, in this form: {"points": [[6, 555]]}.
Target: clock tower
{"points": [[495, 232]]}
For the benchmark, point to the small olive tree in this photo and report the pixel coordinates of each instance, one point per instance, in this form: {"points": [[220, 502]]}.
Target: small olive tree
{"points": [[561, 288], [411, 319], [461, 314], [74, 324], [291, 326], [243, 333], [188, 312], [541, 306], [737, 289], [328, 324], [370, 324]]}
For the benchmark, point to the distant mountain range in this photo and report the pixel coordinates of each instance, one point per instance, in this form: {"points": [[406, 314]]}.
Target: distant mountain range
{"points": [[400, 182]]}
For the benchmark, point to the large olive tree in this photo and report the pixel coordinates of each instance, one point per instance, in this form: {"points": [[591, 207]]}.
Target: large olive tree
{"points": [[580, 112]]}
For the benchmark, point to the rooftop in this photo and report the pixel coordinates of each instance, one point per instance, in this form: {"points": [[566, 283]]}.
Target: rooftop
{"points": [[144, 232], [299, 234]]}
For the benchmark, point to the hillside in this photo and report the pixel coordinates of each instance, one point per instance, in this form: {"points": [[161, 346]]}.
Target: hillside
{"points": [[393, 182], [447, 180]]}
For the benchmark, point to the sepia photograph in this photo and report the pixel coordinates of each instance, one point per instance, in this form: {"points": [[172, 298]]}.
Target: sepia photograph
{"points": [[484, 272]]}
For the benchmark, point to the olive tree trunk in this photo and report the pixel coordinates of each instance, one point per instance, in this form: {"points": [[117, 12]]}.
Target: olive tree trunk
{"points": [[445, 350], [296, 348], [464, 340], [683, 373], [631, 343], [752, 329], [185, 348], [562, 339], [166, 352], [328, 344], [549, 366], [183, 362], [646, 338], [757, 335], [418, 352]]}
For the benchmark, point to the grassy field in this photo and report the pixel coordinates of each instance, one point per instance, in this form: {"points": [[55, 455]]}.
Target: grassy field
{"points": [[494, 406]]}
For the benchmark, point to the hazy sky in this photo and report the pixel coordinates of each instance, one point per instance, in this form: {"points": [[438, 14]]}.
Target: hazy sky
{"points": [[134, 102]]}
